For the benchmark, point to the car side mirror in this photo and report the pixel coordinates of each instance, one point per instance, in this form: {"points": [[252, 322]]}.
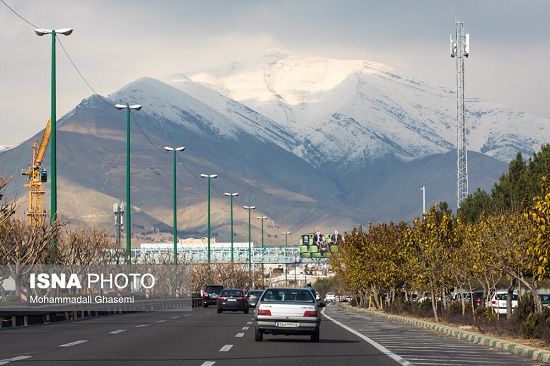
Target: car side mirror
{"points": [[322, 305]]}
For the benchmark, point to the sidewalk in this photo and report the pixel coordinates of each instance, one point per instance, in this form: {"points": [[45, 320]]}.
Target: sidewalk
{"points": [[515, 348]]}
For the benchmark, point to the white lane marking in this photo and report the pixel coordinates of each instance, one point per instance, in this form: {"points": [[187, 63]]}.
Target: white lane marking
{"points": [[142, 325], [175, 317], [245, 328], [226, 348], [379, 347], [248, 322], [160, 321], [73, 343], [239, 335], [117, 331], [208, 363], [18, 358]]}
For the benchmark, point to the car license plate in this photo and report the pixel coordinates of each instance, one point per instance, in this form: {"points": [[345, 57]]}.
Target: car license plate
{"points": [[287, 325], [231, 299]]}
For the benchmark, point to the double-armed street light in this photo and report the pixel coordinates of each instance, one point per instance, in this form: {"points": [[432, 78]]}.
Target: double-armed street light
{"points": [[249, 208], [209, 176], [284, 256], [53, 118], [231, 195], [263, 249], [175, 150], [136, 107]]}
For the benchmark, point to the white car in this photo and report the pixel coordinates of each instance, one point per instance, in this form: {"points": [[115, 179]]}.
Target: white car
{"points": [[287, 311], [330, 296], [498, 302]]}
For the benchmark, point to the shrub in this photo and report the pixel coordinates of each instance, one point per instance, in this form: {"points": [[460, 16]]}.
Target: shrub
{"points": [[535, 323], [455, 308], [526, 306]]}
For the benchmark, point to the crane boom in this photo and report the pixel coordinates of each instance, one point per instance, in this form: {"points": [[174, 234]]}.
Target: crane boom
{"points": [[43, 143]]}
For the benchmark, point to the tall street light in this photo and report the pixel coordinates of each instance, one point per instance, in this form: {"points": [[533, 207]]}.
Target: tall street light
{"points": [[249, 208], [175, 150], [263, 274], [209, 176], [53, 118], [231, 195], [137, 107], [284, 255]]}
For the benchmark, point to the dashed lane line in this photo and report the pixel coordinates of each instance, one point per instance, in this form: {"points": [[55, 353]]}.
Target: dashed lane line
{"points": [[73, 343], [18, 358]]}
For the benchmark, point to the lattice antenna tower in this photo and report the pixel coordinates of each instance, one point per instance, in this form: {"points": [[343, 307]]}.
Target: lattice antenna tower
{"points": [[460, 49]]}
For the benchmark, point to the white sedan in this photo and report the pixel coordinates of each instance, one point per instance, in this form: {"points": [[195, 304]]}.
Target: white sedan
{"points": [[330, 296], [498, 302], [287, 311]]}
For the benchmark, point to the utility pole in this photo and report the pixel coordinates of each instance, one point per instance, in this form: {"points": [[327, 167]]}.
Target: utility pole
{"points": [[460, 49]]}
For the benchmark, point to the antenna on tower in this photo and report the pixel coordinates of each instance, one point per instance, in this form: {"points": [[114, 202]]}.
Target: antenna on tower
{"points": [[460, 49]]}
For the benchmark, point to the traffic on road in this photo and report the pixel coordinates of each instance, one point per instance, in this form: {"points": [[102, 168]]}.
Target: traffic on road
{"points": [[204, 337]]}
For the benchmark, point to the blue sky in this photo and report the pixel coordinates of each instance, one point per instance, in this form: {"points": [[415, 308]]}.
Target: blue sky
{"points": [[115, 42]]}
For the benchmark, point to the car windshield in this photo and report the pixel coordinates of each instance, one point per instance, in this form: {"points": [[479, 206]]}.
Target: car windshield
{"points": [[232, 293], [288, 295], [255, 293], [505, 296]]}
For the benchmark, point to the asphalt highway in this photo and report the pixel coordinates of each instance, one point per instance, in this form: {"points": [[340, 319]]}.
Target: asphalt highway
{"points": [[201, 337]]}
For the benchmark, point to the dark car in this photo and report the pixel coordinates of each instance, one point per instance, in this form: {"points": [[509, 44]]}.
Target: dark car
{"points": [[479, 298], [545, 299], [253, 297], [210, 295], [232, 299]]}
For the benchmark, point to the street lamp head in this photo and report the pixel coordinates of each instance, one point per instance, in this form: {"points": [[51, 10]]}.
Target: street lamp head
{"points": [[262, 217], [287, 233], [249, 207], [166, 148], [64, 31], [137, 107], [231, 194], [208, 176]]}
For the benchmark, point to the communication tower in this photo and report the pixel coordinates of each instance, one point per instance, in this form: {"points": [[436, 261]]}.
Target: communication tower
{"points": [[118, 210], [460, 49]]}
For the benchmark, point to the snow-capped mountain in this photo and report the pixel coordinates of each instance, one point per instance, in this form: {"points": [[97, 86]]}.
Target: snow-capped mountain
{"points": [[313, 143], [351, 111]]}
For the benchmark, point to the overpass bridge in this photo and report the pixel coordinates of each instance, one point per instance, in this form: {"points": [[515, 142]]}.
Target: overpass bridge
{"points": [[266, 255]]}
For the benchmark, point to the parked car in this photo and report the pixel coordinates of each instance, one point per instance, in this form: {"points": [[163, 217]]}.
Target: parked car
{"points": [[545, 298], [498, 302], [287, 311], [479, 297], [253, 296], [232, 299], [210, 295], [330, 296]]}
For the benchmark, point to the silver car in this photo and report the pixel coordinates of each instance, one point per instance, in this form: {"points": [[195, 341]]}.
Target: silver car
{"points": [[253, 296], [287, 311]]}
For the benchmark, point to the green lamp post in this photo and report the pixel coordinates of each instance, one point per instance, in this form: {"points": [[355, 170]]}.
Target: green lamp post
{"points": [[231, 195], [209, 176], [263, 274], [175, 150], [137, 107], [249, 208], [53, 118], [284, 255]]}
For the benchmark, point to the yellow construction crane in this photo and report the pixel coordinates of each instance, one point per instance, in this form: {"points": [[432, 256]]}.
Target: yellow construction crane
{"points": [[37, 176]]}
